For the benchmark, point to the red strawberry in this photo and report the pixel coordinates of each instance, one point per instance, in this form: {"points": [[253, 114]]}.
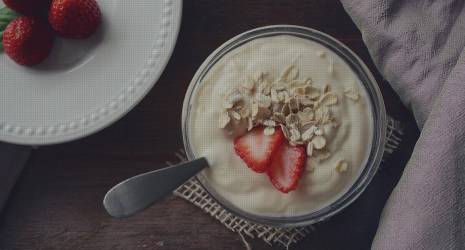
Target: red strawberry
{"points": [[74, 18], [27, 40], [29, 7], [256, 149], [287, 166]]}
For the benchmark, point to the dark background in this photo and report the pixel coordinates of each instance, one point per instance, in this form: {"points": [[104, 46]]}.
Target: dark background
{"points": [[57, 202]]}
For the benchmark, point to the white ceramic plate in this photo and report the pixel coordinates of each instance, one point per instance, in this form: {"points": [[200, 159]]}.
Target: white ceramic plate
{"points": [[86, 85]]}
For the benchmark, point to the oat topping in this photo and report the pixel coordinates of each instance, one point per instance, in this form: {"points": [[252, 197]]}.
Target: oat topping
{"points": [[269, 131], [326, 88], [319, 131], [351, 93], [224, 119], [235, 115], [318, 142], [323, 155], [310, 149], [342, 166], [296, 106], [289, 74], [328, 99]]}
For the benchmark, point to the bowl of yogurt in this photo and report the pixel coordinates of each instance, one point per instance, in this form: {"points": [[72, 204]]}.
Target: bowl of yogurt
{"points": [[303, 84]]}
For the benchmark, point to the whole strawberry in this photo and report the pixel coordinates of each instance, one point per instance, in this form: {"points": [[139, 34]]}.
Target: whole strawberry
{"points": [[27, 40], [74, 18], [29, 7]]}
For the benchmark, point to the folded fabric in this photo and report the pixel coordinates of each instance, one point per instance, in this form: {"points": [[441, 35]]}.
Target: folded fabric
{"points": [[418, 46]]}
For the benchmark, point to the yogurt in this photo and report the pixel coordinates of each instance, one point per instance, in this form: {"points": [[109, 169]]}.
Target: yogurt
{"points": [[324, 181]]}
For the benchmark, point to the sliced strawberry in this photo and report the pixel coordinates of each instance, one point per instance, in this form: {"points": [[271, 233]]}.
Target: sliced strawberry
{"points": [[256, 149], [287, 166]]}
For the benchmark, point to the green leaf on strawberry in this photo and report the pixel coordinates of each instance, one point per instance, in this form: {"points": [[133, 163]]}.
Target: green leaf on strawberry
{"points": [[6, 16]]}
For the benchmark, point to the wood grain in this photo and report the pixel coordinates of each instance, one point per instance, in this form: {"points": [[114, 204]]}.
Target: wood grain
{"points": [[56, 203]]}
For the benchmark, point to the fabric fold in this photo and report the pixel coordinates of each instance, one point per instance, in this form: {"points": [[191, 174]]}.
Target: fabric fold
{"points": [[418, 47]]}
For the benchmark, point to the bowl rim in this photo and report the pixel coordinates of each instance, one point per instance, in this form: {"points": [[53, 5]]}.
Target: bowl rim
{"points": [[375, 98]]}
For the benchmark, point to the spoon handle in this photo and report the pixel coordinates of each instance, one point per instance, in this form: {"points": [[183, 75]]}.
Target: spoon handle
{"points": [[141, 191]]}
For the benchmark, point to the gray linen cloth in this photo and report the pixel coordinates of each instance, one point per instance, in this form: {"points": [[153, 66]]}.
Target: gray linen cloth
{"points": [[418, 46]]}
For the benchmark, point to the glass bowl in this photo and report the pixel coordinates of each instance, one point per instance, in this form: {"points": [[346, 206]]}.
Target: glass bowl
{"points": [[375, 99]]}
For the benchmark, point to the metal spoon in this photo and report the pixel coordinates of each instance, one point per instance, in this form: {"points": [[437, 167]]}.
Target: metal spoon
{"points": [[141, 191]]}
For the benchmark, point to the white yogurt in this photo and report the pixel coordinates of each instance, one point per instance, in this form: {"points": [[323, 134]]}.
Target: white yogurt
{"points": [[253, 192]]}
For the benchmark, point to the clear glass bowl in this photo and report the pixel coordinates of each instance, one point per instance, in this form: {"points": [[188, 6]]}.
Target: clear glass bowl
{"points": [[367, 80]]}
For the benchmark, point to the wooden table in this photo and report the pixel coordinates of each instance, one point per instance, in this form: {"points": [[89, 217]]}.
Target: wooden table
{"points": [[57, 202]]}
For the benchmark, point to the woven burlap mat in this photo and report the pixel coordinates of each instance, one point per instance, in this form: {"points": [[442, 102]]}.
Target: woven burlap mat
{"points": [[285, 237]]}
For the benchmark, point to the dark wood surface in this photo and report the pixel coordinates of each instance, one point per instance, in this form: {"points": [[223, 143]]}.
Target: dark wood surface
{"points": [[56, 203]]}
